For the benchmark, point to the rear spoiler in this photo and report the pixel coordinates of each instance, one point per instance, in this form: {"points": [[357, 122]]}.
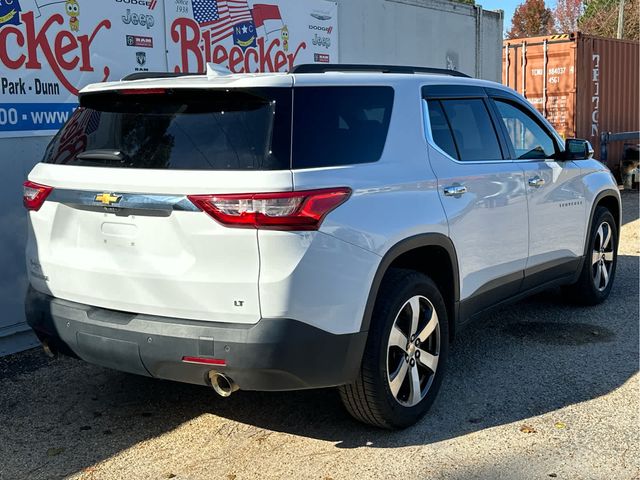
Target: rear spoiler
{"points": [[150, 75]]}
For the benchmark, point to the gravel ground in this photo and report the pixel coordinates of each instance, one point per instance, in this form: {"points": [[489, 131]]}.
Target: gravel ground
{"points": [[568, 376]]}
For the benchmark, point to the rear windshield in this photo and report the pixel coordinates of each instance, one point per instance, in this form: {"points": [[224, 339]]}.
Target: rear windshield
{"points": [[181, 130], [238, 129]]}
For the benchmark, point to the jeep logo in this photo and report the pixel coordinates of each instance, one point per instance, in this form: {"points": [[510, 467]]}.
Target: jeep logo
{"points": [[138, 19]]}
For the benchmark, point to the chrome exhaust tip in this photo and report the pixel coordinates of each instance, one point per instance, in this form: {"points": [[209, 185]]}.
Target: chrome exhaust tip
{"points": [[222, 384]]}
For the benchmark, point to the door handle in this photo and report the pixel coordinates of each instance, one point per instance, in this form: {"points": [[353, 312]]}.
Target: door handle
{"points": [[455, 190], [536, 182]]}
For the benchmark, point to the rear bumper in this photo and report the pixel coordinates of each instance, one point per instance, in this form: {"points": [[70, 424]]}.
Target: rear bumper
{"points": [[272, 355]]}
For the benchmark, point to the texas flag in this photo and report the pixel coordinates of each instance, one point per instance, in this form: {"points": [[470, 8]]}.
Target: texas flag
{"points": [[267, 17]]}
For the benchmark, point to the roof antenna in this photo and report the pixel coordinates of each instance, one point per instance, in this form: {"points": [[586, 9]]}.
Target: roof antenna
{"points": [[216, 70]]}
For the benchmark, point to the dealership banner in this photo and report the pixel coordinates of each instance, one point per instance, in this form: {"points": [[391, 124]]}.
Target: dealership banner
{"points": [[50, 49], [250, 35]]}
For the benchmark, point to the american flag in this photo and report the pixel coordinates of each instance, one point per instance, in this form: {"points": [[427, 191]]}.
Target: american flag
{"points": [[220, 16]]}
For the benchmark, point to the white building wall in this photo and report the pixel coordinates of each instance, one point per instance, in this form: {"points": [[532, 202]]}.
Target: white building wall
{"points": [[433, 33], [17, 157]]}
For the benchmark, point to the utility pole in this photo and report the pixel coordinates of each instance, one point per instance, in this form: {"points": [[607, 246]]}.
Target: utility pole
{"points": [[621, 19]]}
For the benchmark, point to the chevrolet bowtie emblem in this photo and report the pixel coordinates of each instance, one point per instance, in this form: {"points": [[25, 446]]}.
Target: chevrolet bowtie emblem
{"points": [[108, 198]]}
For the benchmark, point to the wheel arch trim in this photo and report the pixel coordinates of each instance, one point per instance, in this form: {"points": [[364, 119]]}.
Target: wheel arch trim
{"points": [[399, 249], [602, 195]]}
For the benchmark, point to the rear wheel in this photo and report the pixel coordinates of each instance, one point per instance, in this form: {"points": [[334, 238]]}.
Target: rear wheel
{"points": [[596, 279], [406, 352]]}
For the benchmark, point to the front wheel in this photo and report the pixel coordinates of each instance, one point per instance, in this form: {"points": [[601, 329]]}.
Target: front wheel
{"points": [[599, 268], [405, 356]]}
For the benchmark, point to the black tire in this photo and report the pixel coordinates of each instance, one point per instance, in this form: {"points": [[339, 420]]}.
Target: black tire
{"points": [[585, 291], [370, 399]]}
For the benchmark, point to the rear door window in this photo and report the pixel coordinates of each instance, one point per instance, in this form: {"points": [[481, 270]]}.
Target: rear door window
{"points": [[340, 125], [440, 130], [179, 129], [472, 129]]}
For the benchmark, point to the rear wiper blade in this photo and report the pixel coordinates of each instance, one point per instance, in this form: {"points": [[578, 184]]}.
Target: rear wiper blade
{"points": [[102, 156]]}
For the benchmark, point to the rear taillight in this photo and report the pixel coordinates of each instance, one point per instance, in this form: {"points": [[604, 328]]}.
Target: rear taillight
{"points": [[304, 210], [34, 195]]}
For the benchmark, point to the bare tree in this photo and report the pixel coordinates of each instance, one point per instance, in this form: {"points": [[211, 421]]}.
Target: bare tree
{"points": [[567, 14], [601, 18]]}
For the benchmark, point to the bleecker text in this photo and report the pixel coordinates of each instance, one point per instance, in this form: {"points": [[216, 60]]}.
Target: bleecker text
{"points": [[262, 58], [63, 53]]}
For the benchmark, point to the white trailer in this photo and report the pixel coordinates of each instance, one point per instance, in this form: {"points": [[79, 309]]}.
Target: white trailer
{"points": [[433, 33]]}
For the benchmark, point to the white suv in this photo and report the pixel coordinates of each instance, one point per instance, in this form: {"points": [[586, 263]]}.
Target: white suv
{"points": [[333, 226]]}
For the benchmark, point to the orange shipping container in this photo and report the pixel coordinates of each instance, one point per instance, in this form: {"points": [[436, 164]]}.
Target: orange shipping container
{"points": [[583, 85]]}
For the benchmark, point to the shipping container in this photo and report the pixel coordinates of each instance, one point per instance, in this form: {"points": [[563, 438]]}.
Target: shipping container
{"points": [[583, 85]]}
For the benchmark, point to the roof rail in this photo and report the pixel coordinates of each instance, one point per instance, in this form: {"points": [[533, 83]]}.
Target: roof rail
{"points": [[143, 75], [328, 67]]}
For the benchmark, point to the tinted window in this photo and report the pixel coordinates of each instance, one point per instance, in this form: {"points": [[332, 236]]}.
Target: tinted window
{"points": [[340, 125], [472, 129], [529, 139], [440, 129], [179, 129]]}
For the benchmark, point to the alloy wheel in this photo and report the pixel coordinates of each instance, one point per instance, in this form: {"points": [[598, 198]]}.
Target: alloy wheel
{"points": [[602, 257], [413, 350]]}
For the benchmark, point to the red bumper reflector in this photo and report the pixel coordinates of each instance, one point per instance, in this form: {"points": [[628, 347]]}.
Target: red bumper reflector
{"points": [[205, 361]]}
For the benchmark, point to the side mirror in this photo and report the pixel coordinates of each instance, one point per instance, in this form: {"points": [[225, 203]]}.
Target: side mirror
{"points": [[576, 149]]}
